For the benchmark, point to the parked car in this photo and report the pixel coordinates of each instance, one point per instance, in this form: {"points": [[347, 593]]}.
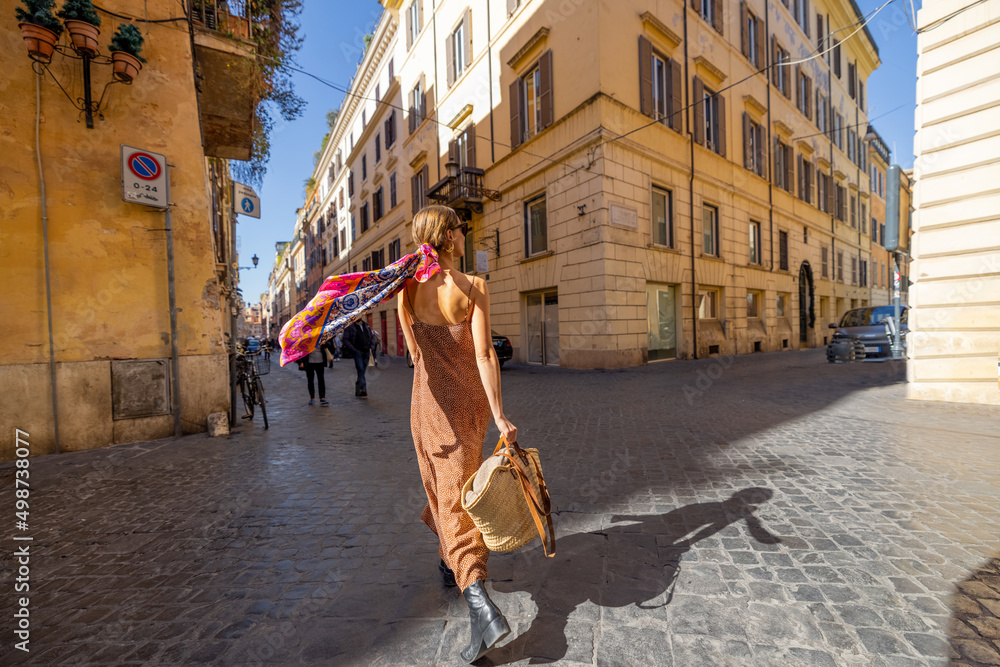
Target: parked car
{"points": [[863, 335], [503, 348], [501, 344], [253, 345]]}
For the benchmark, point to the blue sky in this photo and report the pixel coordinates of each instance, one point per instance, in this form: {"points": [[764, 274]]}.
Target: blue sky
{"points": [[332, 34]]}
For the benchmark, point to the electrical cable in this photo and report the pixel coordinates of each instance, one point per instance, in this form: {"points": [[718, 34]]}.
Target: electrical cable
{"points": [[941, 21], [866, 122], [858, 25], [138, 20]]}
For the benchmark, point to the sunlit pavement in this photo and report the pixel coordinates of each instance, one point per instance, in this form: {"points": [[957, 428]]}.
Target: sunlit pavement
{"points": [[765, 510]]}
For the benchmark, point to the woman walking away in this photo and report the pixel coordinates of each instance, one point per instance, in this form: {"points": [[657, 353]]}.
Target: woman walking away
{"points": [[456, 387], [314, 365]]}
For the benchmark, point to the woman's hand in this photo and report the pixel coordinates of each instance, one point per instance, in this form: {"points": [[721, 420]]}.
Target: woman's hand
{"points": [[507, 430]]}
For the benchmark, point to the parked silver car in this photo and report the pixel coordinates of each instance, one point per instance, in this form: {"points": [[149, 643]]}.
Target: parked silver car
{"points": [[863, 335]]}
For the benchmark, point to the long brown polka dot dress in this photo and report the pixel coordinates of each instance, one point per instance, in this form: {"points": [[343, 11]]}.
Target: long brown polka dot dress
{"points": [[449, 416]]}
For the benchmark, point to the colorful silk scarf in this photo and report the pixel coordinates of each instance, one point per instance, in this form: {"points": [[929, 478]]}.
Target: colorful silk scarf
{"points": [[342, 300]]}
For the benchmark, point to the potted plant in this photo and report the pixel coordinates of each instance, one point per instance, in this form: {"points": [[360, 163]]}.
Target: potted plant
{"points": [[125, 48], [81, 21], [40, 27]]}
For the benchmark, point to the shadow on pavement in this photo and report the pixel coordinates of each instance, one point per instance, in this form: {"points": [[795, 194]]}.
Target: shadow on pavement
{"points": [[974, 633], [636, 563]]}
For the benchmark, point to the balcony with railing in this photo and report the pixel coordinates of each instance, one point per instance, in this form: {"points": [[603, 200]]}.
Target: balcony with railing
{"points": [[224, 31], [462, 190]]}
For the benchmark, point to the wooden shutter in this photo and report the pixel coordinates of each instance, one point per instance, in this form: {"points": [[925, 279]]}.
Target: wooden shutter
{"points": [[516, 133], [414, 199], [789, 169], [449, 49], [699, 111], [721, 148], [426, 181], [746, 140], [420, 17], [809, 88], [696, 5], [744, 35], [819, 31], [545, 98], [802, 177], [470, 145], [409, 28], [717, 22], [511, 6], [676, 81], [829, 192], [467, 34], [805, 17], [761, 43], [777, 167], [761, 154], [423, 98], [452, 152], [774, 60], [799, 102], [645, 76], [411, 121]]}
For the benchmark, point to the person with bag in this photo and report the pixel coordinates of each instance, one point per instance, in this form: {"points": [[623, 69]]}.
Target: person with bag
{"points": [[456, 389], [313, 364], [357, 343]]}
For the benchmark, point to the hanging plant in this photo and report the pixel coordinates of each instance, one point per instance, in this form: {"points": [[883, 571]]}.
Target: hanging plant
{"points": [[80, 10], [81, 21], [126, 46], [40, 27]]}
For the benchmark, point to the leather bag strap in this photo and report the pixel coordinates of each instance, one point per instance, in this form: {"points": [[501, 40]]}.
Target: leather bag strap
{"points": [[546, 531]]}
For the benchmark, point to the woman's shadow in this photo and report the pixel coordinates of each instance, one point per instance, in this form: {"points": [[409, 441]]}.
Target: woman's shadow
{"points": [[633, 564]]}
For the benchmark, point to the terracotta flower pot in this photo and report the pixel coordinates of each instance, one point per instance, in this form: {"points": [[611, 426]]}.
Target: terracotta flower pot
{"points": [[40, 41], [125, 66], [83, 35]]}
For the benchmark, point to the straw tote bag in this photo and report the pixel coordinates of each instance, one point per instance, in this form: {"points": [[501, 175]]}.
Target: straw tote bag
{"points": [[508, 500]]}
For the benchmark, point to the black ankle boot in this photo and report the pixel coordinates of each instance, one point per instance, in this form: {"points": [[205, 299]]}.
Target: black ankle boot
{"points": [[488, 624], [447, 576]]}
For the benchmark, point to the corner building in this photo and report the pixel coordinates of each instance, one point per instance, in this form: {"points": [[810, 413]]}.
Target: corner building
{"points": [[640, 184]]}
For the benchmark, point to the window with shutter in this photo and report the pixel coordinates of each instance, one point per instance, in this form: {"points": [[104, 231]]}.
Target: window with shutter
{"points": [[392, 190], [783, 250], [824, 262]]}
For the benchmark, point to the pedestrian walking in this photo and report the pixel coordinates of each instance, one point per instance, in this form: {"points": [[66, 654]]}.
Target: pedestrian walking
{"points": [[357, 344], [456, 386], [313, 365], [456, 389]]}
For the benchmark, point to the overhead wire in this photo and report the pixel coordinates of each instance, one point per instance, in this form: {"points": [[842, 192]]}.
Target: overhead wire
{"points": [[857, 25]]}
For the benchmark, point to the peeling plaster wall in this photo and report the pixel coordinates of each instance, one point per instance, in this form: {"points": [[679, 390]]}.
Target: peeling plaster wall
{"points": [[107, 258]]}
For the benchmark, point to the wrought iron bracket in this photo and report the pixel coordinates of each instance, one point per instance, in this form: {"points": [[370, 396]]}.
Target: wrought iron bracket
{"points": [[86, 103]]}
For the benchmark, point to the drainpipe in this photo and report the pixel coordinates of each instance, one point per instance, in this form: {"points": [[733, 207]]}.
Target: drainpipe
{"points": [[489, 65], [833, 215], [770, 142], [437, 135], [175, 381], [45, 250], [694, 281]]}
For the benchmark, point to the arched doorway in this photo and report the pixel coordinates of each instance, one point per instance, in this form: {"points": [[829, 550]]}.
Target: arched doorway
{"points": [[807, 298]]}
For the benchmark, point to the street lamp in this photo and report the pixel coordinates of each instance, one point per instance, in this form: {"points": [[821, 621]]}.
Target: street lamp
{"points": [[255, 259]]}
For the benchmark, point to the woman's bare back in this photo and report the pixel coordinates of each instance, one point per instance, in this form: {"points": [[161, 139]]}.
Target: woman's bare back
{"points": [[442, 300]]}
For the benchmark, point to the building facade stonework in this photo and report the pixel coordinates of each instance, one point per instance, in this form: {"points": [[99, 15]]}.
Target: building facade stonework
{"points": [[956, 242], [661, 192]]}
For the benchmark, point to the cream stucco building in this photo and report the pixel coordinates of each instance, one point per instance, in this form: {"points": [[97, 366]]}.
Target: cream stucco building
{"points": [[640, 183], [956, 242]]}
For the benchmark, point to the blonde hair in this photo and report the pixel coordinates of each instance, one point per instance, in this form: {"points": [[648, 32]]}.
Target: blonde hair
{"points": [[431, 225]]}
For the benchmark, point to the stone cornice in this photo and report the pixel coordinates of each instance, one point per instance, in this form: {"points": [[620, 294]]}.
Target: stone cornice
{"points": [[660, 29], [536, 40]]}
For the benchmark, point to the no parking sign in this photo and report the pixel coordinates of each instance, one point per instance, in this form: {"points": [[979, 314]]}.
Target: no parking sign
{"points": [[144, 177]]}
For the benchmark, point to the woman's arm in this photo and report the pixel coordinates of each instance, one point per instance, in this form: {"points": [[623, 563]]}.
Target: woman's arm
{"points": [[406, 320], [486, 357]]}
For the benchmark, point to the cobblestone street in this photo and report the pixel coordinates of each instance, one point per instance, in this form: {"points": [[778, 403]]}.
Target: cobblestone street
{"points": [[765, 510]]}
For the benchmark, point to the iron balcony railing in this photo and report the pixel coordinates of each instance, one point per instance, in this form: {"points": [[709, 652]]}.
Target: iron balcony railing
{"points": [[463, 190], [226, 16]]}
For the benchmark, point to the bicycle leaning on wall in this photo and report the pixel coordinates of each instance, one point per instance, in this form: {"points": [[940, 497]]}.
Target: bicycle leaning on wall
{"points": [[249, 368]]}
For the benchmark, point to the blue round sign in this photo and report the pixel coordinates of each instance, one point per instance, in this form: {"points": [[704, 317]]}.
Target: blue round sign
{"points": [[247, 205], [144, 166]]}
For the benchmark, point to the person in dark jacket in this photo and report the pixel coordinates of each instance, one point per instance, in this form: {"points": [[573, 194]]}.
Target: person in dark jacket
{"points": [[357, 343], [314, 364]]}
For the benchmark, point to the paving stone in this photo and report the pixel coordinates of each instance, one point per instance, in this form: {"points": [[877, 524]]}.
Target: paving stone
{"points": [[303, 544]]}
